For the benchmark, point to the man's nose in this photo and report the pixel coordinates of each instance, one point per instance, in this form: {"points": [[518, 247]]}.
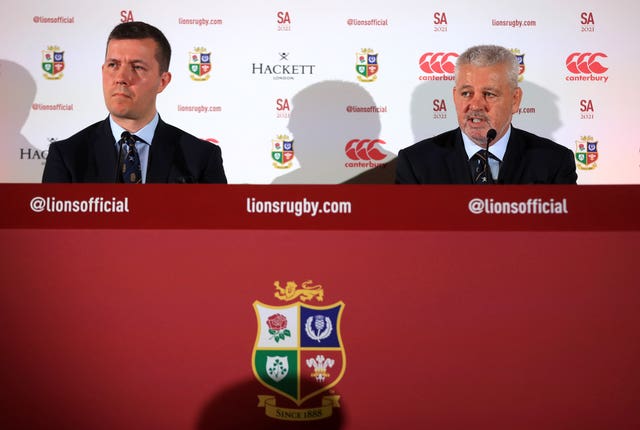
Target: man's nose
{"points": [[477, 102], [123, 76]]}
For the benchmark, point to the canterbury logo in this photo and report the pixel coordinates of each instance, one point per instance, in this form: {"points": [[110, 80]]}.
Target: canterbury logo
{"points": [[586, 62], [438, 62], [364, 149]]}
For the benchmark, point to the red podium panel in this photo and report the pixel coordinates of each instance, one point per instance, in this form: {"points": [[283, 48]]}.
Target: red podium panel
{"points": [[449, 319]]}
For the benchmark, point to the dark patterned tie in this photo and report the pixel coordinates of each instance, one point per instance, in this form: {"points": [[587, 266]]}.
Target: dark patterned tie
{"points": [[131, 171], [480, 170]]}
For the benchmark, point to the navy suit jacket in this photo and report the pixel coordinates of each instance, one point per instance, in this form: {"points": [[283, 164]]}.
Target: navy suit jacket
{"points": [[174, 157], [529, 159]]}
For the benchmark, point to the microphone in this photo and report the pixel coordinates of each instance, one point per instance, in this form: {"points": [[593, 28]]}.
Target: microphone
{"points": [[124, 137], [491, 134]]}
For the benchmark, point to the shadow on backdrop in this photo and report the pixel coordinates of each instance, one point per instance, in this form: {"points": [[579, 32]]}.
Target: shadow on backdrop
{"points": [[322, 126], [426, 121], [236, 408], [18, 89], [545, 120]]}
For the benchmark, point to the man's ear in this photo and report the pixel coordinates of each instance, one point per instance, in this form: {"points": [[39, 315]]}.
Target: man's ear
{"points": [[165, 78], [517, 98]]}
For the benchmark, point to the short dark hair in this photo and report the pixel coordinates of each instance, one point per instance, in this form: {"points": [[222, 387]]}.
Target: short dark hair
{"points": [[142, 30]]}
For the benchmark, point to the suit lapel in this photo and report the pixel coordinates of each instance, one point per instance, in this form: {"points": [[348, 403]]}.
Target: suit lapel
{"points": [[512, 163], [105, 154], [161, 154], [458, 161]]}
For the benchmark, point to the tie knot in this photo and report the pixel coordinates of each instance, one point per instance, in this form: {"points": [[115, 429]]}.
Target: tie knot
{"points": [[130, 139], [480, 155]]}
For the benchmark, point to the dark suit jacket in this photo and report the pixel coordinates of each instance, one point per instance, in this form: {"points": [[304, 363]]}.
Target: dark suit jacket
{"points": [[529, 159], [175, 156]]}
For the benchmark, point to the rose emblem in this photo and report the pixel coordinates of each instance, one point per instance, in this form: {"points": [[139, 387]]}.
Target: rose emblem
{"points": [[277, 324]]}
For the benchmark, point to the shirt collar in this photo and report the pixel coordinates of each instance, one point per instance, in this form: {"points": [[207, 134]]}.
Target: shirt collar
{"points": [[497, 149], [145, 133]]}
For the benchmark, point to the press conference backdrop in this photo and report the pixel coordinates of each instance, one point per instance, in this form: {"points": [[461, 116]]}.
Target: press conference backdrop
{"points": [[301, 92]]}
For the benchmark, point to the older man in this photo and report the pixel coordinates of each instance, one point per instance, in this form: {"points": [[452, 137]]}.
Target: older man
{"points": [[486, 149]]}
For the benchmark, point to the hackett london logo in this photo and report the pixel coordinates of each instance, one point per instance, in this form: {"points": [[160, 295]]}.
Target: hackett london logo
{"points": [[33, 154], [520, 57], [298, 353], [282, 151], [586, 153], [53, 62], [367, 65], [200, 64], [283, 69]]}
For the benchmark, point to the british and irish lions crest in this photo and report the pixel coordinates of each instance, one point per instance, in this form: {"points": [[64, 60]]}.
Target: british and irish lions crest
{"points": [[586, 153], [53, 63], [521, 66], [200, 64], [282, 151], [298, 353], [367, 65]]}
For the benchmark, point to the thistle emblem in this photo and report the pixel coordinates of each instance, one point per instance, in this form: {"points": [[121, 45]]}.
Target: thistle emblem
{"points": [[318, 327]]}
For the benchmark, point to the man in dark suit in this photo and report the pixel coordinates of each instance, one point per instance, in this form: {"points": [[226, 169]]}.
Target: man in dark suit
{"points": [[133, 144], [486, 95]]}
